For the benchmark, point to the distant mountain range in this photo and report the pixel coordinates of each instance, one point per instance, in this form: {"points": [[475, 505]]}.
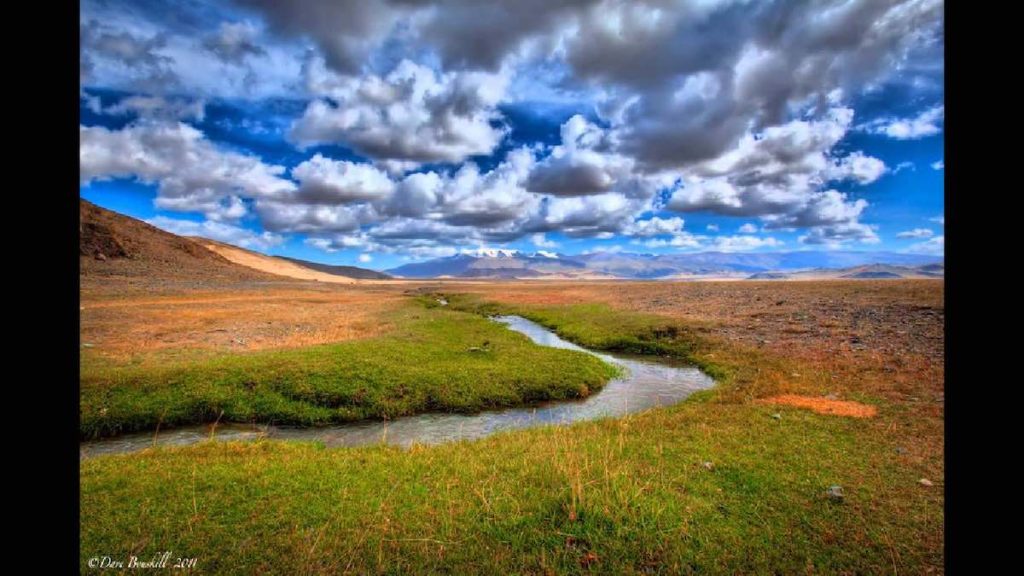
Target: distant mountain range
{"points": [[515, 264], [115, 245]]}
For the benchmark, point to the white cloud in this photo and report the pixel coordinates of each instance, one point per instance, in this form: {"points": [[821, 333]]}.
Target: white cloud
{"points": [[744, 243], [235, 41], [748, 228], [228, 233], [837, 234], [192, 173], [681, 240], [655, 226], [312, 218], [777, 175], [927, 123], [541, 241], [583, 165], [744, 124], [364, 258], [857, 167], [904, 166], [936, 245], [916, 233], [938, 165], [941, 220], [326, 181], [159, 107], [413, 114]]}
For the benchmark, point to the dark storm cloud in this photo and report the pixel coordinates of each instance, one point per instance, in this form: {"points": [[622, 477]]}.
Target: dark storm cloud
{"points": [[568, 177], [345, 30]]}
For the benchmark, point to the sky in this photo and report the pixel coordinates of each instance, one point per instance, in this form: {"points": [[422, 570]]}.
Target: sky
{"points": [[381, 132]]}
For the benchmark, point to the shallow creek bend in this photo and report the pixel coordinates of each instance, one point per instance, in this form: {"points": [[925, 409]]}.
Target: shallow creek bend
{"points": [[644, 384]]}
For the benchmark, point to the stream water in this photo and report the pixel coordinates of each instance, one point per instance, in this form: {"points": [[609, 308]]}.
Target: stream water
{"points": [[645, 384]]}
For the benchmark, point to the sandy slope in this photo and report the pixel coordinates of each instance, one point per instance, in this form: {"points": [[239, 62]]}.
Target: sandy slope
{"points": [[269, 264]]}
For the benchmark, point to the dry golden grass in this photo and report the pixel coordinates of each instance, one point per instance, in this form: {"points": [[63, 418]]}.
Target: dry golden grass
{"points": [[253, 319]]}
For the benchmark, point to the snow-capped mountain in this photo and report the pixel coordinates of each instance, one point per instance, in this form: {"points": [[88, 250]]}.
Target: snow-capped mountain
{"points": [[503, 263]]}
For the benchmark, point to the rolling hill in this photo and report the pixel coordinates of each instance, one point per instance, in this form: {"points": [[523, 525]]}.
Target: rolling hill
{"points": [[346, 271], [112, 245]]}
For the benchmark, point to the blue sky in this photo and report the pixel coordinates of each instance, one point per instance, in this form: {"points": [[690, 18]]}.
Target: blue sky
{"points": [[377, 133]]}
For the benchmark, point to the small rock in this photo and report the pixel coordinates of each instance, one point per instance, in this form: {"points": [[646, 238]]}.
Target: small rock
{"points": [[708, 465], [101, 257], [835, 493], [901, 450], [87, 345], [925, 482], [777, 416], [832, 396]]}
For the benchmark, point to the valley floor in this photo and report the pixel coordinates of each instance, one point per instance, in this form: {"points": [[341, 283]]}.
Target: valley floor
{"points": [[733, 480]]}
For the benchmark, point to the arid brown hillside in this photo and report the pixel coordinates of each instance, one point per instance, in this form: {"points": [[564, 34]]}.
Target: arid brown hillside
{"points": [[114, 247]]}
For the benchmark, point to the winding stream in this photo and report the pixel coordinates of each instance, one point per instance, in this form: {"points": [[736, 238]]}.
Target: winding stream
{"points": [[645, 384]]}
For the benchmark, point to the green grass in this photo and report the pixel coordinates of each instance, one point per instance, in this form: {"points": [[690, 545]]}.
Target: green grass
{"points": [[435, 360], [631, 491], [614, 496]]}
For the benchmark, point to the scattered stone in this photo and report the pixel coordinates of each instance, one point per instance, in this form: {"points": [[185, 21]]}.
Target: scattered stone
{"points": [[925, 482], [777, 416], [835, 493], [101, 257], [708, 465], [87, 345], [901, 450], [476, 349], [832, 396]]}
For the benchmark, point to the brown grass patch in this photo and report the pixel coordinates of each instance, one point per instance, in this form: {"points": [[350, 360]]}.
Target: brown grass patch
{"points": [[824, 405], [234, 320]]}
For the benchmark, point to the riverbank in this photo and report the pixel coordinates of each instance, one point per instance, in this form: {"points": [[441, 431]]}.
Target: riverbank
{"points": [[431, 360]]}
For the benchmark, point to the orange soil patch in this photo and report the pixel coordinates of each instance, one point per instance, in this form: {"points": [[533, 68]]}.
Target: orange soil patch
{"points": [[824, 405]]}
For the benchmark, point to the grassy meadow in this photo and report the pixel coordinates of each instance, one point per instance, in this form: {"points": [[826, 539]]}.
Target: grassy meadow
{"points": [[723, 483], [432, 359]]}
